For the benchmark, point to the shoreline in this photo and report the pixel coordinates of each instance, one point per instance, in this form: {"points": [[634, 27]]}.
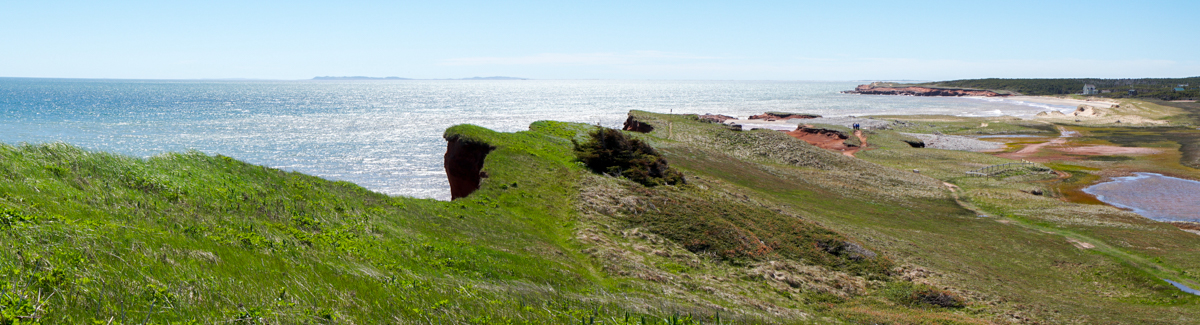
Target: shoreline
{"points": [[1052, 100]]}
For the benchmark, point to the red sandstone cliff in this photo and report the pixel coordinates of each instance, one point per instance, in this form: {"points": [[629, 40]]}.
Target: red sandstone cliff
{"points": [[464, 165], [877, 89], [632, 124]]}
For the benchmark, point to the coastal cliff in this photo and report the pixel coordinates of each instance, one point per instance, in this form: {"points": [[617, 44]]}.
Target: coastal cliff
{"points": [[464, 162], [876, 88]]}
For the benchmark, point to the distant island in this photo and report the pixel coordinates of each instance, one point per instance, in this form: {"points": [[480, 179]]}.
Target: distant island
{"points": [[358, 78], [492, 78], [398, 78]]}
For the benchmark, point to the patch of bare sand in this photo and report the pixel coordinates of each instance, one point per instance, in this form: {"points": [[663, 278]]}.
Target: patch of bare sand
{"points": [[1105, 119], [1079, 244], [1192, 227], [1096, 102], [1101, 112]]}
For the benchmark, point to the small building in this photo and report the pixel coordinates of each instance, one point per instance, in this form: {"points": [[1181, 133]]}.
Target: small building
{"points": [[1178, 88], [1089, 89], [1132, 92]]}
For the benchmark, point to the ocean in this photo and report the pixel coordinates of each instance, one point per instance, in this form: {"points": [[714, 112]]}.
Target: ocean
{"points": [[387, 135]]}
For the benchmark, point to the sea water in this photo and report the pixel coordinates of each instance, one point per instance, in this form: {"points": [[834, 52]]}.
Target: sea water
{"points": [[1151, 195], [387, 135]]}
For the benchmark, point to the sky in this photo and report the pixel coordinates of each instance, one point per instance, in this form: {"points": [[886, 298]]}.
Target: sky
{"points": [[668, 40]]}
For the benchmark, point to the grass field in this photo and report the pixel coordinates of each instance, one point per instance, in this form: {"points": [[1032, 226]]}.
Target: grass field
{"points": [[767, 229]]}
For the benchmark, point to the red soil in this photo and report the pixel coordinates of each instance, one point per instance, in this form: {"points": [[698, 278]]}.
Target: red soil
{"points": [[828, 139]]}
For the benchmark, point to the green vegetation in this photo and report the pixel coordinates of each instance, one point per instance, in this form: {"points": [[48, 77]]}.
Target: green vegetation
{"points": [[909, 294], [611, 152], [766, 229], [1160, 88], [958, 125]]}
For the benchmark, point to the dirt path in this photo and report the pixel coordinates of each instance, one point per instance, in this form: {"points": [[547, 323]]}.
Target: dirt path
{"points": [[862, 139]]}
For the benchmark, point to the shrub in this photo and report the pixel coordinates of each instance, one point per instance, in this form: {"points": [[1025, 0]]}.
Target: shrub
{"points": [[911, 294], [611, 152]]}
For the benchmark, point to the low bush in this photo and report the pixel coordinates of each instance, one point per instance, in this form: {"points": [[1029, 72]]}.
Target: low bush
{"points": [[611, 152], [914, 295]]}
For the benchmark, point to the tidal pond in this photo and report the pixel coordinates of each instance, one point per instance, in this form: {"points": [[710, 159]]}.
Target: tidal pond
{"points": [[1151, 195]]}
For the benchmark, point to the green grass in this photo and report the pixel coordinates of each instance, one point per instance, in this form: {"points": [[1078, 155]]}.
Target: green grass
{"points": [[188, 237], [958, 125], [767, 229]]}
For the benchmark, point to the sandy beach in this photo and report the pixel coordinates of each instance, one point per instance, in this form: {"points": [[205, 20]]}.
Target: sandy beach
{"points": [[1101, 103]]}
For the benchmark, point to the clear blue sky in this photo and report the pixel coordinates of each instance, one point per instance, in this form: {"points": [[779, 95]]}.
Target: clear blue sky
{"points": [[764, 40]]}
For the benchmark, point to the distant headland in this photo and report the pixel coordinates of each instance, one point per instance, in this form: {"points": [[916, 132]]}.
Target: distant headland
{"points": [[398, 78], [884, 88], [1168, 89]]}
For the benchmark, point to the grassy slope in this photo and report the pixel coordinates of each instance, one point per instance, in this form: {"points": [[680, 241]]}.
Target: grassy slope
{"points": [[189, 237], [1023, 263], [194, 238]]}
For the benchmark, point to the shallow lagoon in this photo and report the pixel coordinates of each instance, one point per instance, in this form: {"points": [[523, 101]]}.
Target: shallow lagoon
{"points": [[1151, 195]]}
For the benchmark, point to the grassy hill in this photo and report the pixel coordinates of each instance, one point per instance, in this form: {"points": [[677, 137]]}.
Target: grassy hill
{"points": [[767, 229]]}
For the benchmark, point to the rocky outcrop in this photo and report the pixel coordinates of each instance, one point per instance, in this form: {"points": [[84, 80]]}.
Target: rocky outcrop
{"points": [[827, 133], [852, 251], [632, 124], [915, 143], [464, 165], [878, 89], [715, 118], [772, 116]]}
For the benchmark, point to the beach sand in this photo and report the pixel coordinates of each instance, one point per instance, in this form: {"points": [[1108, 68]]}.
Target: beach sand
{"points": [[1098, 102]]}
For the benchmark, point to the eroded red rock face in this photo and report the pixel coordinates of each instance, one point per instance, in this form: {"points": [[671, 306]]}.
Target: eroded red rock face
{"points": [[826, 139], [464, 166], [634, 125], [921, 91]]}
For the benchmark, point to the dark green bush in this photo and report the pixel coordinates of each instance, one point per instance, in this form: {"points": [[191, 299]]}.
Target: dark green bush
{"points": [[611, 152], [913, 295]]}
